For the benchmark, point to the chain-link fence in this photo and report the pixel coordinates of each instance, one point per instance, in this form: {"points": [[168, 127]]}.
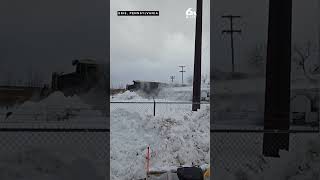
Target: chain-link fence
{"points": [[50, 152], [156, 108], [242, 150], [61, 142]]}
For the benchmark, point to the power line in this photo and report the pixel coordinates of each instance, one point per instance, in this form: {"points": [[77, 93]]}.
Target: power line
{"points": [[231, 31]]}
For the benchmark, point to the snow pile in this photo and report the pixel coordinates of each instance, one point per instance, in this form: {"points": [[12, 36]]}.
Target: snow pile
{"points": [[126, 96], [175, 138], [176, 93], [55, 107], [49, 164], [165, 94]]}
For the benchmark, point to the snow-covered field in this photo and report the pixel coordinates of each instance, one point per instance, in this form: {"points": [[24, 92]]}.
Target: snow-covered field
{"points": [[176, 135], [54, 111]]}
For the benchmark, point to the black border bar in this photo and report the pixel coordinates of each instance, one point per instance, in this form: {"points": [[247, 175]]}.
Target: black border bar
{"points": [[261, 131], [52, 130]]}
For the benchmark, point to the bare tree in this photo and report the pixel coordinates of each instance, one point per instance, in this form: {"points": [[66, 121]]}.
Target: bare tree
{"points": [[302, 58], [257, 57]]}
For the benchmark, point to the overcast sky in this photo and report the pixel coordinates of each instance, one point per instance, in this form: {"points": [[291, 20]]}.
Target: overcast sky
{"points": [[152, 48], [254, 26], [42, 36]]}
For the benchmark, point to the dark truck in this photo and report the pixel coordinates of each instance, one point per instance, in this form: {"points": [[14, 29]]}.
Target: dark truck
{"points": [[87, 75], [147, 87]]}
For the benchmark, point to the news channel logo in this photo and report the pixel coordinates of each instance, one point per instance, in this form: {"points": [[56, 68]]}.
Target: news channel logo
{"points": [[190, 13]]}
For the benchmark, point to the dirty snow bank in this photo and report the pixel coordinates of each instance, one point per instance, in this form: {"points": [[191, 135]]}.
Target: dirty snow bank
{"points": [[54, 108], [175, 138]]}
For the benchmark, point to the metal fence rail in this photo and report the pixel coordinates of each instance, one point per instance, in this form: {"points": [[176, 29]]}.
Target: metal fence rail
{"points": [[155, 107], [51, 117]]}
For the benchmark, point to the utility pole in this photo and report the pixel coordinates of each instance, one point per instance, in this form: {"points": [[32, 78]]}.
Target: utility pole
{"points": [[196, 94], [278, 70], [182, 71], [172, 78], [231, 31]]}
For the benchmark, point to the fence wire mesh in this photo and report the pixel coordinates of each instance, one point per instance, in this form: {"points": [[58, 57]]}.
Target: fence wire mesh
{"points": [[155, 108], [47, 140], [44, 150], [235, 151]]}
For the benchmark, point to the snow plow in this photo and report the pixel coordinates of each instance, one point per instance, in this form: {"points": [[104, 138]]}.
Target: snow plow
{"points": [[87, 75]]}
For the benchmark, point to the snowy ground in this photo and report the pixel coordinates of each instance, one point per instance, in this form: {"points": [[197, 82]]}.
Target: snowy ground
{"points": [[176, 135], [54, 111]]}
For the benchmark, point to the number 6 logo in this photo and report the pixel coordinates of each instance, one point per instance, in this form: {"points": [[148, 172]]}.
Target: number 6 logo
{"points": [[190, 12]]}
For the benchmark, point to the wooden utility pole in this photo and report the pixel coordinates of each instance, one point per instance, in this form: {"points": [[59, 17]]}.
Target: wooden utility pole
{"points": [[172, 78], [278, 69], [197, 59], [182, 71], [231, 31]]}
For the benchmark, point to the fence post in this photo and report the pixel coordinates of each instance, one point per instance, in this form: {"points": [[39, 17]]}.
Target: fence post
{"points": [[154, 107]]}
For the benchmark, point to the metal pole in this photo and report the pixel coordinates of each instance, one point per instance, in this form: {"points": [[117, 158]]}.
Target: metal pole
{"points": [[197, 59], [182, 75], [232, 48], [278, 70], [154, 107]]}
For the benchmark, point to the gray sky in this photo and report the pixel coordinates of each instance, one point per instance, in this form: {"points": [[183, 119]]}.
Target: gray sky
{"points": [[152, 48], [42, 36]]}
